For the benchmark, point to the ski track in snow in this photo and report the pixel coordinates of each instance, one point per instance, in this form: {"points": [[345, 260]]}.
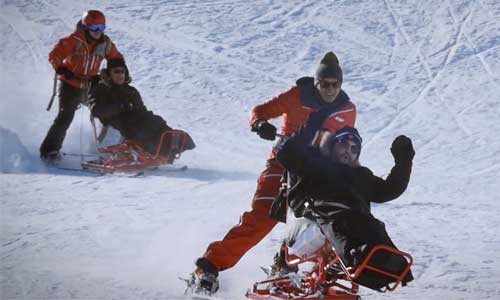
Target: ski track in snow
{"points": [[420, 68]]}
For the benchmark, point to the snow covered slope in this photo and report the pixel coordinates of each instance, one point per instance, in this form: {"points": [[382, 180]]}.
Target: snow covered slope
{"points": [[427, 69]]}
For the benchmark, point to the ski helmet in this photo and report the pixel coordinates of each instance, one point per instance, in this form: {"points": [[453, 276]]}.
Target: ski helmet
{"points": [[92, 17]]}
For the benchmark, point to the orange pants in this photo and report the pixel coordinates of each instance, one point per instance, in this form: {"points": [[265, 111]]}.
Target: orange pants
{"points": [[254, 224]]}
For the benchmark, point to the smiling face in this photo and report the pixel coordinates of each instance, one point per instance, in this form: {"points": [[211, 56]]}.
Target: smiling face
{"points": [[328, 88]]}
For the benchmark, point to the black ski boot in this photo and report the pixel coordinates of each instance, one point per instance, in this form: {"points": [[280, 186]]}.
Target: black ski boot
{"points": [[51, 156], [204, 278]]}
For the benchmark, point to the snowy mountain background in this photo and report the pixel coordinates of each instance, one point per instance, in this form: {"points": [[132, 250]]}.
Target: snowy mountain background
{"points": [[427, 69]]}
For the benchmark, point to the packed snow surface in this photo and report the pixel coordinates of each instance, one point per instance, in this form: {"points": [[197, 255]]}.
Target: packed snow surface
{"points": [[426, 69]]}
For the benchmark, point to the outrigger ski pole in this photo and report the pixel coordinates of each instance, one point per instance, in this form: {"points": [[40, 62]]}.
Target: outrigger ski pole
{"points": [[53, 92], [102, 133], [99, 137]]}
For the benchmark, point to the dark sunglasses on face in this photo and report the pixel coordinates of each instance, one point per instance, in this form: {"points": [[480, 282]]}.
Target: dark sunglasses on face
{"points": [[118, 71], [324, 85], [355, 149], [96, 27]]}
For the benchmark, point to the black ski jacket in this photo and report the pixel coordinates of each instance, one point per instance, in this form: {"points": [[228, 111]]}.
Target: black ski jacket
{"points": [[324, 188], [339, 196], [121, 107]]}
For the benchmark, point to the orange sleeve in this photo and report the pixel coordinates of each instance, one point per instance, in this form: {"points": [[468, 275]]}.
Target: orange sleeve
{"points": [[61, 51], [113, 52], [275, 107]]}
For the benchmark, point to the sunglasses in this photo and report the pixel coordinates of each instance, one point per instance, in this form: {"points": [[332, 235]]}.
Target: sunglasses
{"points": [[118, 71], [348, 143], [324, 85], [96, 27]]}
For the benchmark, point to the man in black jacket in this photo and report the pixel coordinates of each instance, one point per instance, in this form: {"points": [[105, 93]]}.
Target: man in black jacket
{"points": [[331, 188], [119, 105]]}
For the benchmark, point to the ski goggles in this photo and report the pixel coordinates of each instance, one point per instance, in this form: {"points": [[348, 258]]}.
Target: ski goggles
{"points": [[96, 27]]}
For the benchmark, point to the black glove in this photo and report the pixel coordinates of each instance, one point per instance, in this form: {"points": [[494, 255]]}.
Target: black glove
{"points": [[265, 130], [316, 118], [402, 149], [65, 72], [290, 154]]}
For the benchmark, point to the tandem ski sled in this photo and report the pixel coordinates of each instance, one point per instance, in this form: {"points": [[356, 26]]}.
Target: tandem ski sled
{"points": [[328, 278], [130, 156]]}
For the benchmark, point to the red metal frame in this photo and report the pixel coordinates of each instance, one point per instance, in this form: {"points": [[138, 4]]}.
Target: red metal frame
{"points": [[130, 156], [315, 284], [364, 265]]}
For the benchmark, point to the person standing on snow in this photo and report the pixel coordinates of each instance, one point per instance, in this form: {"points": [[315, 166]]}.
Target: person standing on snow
{"points": [[309, 95], [331, 188], [119, 105], [76, 59]]}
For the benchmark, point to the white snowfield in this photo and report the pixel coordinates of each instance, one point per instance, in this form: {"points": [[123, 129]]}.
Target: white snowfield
{"points": [[426, 69]]}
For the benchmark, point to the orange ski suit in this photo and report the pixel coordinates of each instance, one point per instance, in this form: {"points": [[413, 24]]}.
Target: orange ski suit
{"points": [[294, 105], [80, 57]]}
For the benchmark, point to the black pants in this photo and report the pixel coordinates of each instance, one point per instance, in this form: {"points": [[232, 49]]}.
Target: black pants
{"points": [[353, 234], [69, 99]]}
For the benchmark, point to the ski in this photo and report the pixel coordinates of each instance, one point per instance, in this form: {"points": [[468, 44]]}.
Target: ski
{"points": [[173, 168], [144, 172], [132, 174], [59, 165], [80, 154]]}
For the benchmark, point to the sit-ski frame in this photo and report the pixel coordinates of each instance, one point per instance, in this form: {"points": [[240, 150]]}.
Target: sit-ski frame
{"points": [[322, 281], [130, 156]]}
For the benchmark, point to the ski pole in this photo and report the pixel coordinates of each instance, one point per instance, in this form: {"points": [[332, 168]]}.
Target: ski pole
{"points": [[98, 137], [102, 134], [53, 92]]}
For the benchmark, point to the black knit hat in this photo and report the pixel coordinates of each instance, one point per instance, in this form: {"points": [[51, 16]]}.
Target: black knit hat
{"points": [[329, 67], [118, 63], [115, 63]]}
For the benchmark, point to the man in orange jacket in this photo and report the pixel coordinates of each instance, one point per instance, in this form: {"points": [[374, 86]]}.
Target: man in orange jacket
{"points": [[310, 94], [76, 59]]}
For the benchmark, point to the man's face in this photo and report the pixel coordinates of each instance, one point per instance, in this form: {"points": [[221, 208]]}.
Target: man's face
{"points": [[329, 88], [117, 75], [95, 30], [345, 151]]}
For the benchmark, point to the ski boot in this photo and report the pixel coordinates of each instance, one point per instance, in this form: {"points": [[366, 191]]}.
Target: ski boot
{"points": [[207, 283], [51, 156], [204, 279]]}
